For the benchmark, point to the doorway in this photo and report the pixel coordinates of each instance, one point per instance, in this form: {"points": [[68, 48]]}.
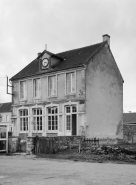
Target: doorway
{"points": [[3, 138], [71, 119]]}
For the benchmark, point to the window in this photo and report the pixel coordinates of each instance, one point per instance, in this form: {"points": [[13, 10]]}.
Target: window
{"points": [[22, 89], [70, 110], [70, 83], [37, 88], [37, 119], [52, 86], [23, 119], [52, 118]]}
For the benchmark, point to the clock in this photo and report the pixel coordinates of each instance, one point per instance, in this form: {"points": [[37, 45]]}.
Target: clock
{"points": [[45, 62]]}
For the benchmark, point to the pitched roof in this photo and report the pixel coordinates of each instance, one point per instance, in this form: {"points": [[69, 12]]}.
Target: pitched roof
{"points": [[5, 107], [71, 59], [129, 117]]}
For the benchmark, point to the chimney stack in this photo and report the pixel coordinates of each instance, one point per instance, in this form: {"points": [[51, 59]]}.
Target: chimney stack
{"points": [[106, 37], [45, 46], [38, 54]]}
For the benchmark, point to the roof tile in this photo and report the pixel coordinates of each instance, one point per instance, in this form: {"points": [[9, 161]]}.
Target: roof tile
{"points": [[5, 107], [72, 58]]}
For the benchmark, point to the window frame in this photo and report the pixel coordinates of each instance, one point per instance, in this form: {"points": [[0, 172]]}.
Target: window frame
{"points": [[25, 90], [46, 114], [56, 85], [39, 88], [70, 114], [23, 131], [35, 116], [71, 92]]}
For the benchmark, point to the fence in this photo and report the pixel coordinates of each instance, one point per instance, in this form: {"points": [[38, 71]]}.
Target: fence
{"points": [[52, 145], [89, 142]]}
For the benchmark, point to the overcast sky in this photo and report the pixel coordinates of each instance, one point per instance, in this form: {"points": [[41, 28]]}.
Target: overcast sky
{"points": [[27, 25]]}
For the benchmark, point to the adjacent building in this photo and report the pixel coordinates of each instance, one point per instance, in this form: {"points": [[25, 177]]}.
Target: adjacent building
{"points": [[5, 115], [129, 127], [76, 92]]}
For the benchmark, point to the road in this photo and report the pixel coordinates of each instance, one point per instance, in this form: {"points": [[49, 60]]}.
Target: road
{"points": [[28, 170]]}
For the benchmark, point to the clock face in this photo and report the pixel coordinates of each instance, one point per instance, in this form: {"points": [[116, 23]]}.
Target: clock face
{"points": [[45, 62]]}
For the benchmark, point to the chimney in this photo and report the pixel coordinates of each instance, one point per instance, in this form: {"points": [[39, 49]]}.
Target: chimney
{"points": [[106, 37], [38, 54], [45, 46]]}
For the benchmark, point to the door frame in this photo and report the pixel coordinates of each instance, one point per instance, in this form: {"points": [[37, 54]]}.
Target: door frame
{"points": [[5, 139], [66, 132]]}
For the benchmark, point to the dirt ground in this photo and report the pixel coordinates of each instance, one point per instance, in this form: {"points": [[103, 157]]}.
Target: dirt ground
{"points": [[30, 170]]}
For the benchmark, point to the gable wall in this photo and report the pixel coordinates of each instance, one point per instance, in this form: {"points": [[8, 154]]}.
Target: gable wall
{"points": [[104, 96]]}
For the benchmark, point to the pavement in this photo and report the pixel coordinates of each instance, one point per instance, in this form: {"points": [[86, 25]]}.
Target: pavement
{"points": [[29, 170]]}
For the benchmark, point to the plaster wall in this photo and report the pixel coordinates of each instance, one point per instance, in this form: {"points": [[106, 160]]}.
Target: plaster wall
{"points": [[6, 120], [61, 94], [104, 96]]}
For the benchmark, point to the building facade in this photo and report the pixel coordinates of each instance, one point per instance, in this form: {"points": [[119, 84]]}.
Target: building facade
{"points": [[5, 116], [77, 92], [129, 127]]}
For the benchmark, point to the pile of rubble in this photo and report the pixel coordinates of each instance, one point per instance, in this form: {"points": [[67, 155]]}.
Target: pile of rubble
{"points": [[109, 153], [109, 149]]}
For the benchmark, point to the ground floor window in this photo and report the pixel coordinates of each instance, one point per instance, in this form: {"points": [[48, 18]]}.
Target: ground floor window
{"points": [[37, 119], [52, 118], [23, 119]]}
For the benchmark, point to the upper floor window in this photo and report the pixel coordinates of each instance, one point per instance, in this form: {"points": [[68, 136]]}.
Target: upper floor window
{"points": [[23, 90], [23, 119], [52, 86], [70, 83], [36, 88]]}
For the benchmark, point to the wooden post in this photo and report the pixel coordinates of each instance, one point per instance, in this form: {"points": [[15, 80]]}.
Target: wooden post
{"points": [[79, 146]]}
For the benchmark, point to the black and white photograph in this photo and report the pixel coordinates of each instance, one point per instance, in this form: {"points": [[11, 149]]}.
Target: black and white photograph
{"points": [[67, 92]]}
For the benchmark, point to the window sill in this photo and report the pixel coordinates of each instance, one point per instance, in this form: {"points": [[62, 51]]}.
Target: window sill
{"points": [[52, 131], [70, 94], [37, 98], [39, 131], [22, 100], [54, 96], [24, 132]]}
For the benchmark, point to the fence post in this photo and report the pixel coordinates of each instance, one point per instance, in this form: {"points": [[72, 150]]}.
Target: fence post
{"points": [[79, 146]]}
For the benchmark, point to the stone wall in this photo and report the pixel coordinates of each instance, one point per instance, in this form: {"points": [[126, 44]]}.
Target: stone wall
{"points": [[129, 133], [13, 144], [16, 144]]}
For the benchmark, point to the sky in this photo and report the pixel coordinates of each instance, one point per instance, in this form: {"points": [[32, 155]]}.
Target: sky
{"points": [[27, 25]]}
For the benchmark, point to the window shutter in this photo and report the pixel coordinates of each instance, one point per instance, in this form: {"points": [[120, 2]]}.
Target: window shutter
{"points": [[39, 87], [25, 84], [73, 82]]}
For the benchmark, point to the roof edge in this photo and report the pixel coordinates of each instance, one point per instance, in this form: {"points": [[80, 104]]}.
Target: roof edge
{"points": [[103, 43]]}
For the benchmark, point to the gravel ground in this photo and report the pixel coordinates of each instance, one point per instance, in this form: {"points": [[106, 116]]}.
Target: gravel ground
{"points": [[30, 170]]}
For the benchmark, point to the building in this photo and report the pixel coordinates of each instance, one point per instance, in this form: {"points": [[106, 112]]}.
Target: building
{"points": [[76, 92], [129, 127], [5, 115]]}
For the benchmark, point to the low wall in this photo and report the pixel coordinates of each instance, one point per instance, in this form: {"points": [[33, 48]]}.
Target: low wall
{"points": [[16, 144], [51, 144], [13, 143]]}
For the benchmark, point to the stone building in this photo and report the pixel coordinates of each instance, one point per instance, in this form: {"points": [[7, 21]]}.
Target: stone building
{"points": [[76, 92]]}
